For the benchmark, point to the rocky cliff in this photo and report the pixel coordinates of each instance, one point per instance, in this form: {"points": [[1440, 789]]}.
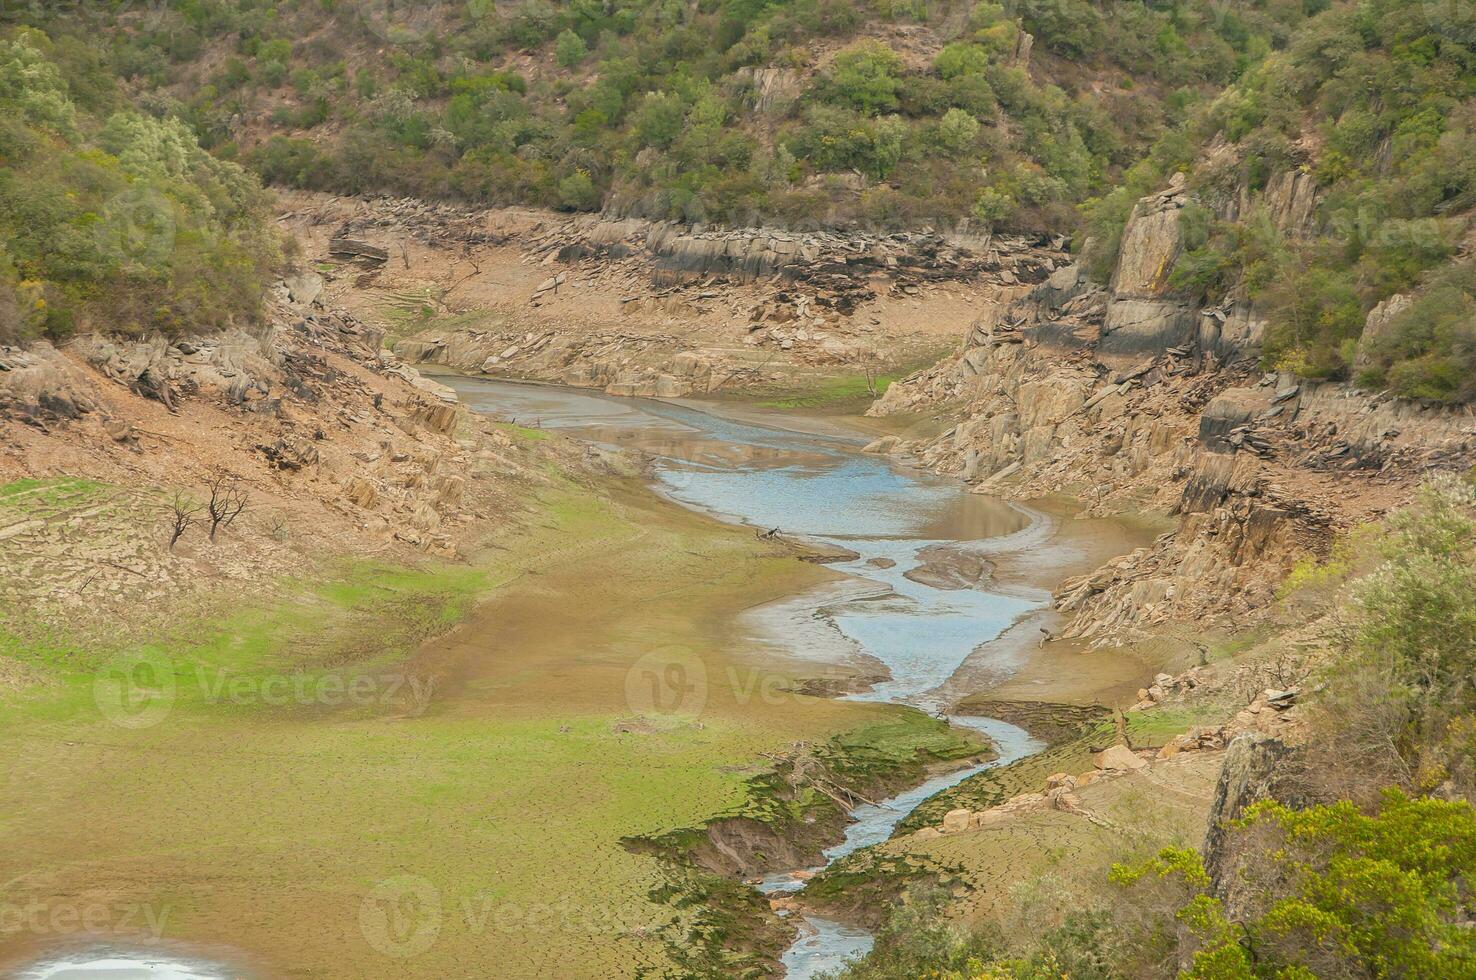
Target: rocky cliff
{"points": [[1130, 397]]}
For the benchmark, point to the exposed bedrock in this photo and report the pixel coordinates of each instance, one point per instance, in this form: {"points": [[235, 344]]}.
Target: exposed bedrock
{"points": [[1132, 399]]}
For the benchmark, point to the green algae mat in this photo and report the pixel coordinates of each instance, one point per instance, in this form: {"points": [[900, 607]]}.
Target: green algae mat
{"points": [[336, 784]]}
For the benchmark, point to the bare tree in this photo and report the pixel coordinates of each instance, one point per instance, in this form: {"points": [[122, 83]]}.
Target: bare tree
{"points": [[227, 501], [182, 517]]}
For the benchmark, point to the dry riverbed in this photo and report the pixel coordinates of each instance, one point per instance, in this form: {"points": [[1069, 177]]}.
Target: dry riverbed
{"points": [[298, 809], [572, 776]]}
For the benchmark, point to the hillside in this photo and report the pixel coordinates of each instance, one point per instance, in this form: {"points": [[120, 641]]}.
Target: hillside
{"points": [[1152, 326], [1328, 208], [110, 218], [796, 113]]}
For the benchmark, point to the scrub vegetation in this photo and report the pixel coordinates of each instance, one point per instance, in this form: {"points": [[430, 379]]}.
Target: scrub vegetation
{"points": [[1375, 102], [799, 112]]}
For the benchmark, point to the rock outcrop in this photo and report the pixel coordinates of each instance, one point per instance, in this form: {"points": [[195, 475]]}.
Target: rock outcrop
{"points": [[1116, 396], [1143, 315]]}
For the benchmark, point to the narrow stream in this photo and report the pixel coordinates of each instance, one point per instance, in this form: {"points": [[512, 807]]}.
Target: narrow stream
{"points": [[920, 601]]}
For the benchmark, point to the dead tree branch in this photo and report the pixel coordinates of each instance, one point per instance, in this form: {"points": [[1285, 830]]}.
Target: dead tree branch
{"points": [[182, 517], [227, 501]]}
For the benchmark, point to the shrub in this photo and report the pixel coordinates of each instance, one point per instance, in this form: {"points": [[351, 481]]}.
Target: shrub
{"points": [[131, 228], [1429, 349], [577, 192], [961, 58], [569, 49], [957, 131], [1334, 892], [864, 77]]}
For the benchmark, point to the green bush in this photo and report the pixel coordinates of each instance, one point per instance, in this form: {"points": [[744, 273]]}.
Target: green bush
{"points": [[630, 74], [577, 192], [1334, 892], [957, 132], [866, 77], [1429, 349], [123, 224], [569, 48]]}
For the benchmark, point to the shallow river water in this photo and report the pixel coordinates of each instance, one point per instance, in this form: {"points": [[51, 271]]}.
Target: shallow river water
{"points": [[818, 486]]}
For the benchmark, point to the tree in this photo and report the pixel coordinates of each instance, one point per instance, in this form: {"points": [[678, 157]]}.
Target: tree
{"points": [[577, 192], [182, 517], [957, 131], [570, 49], [659, 118], [961, 58], [227, 501], [866, 77], [1335, 892]]}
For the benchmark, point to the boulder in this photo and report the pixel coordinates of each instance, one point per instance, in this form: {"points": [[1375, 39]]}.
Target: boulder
{"points": [[669, 387], [955, 821], [304, 288], [1119, 757], [881, 446], [119, 430]]}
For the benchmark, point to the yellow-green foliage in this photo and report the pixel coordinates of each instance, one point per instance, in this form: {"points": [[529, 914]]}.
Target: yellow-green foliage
{"points": [[1374, 101], [1335, 892], [114, 219], [649, 106], [1309, 574]]}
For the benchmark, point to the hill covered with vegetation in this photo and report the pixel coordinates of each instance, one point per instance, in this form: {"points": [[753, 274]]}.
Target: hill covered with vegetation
{"points": [[113, 217], [800, 112], [1376, 103], [126, 120]]}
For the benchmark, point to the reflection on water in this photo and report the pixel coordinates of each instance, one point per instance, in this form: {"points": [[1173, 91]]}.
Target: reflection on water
{"points": [[825, 945], [811, 485], [818, 487]]}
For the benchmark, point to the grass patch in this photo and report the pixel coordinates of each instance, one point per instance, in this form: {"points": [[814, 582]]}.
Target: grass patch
{"points": [[49, 493], [843, 391], [510, 793]]}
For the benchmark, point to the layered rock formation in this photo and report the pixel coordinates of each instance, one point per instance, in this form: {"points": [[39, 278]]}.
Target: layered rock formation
{"points": [[807, 300], [1130, 398]]}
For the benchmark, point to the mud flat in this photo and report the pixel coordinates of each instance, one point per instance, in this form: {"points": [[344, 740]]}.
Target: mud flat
{"points": [[615, 676], [935, 578]]}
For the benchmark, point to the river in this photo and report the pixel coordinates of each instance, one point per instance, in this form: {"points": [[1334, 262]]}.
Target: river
{"points": [[920, 595], [915, 538]]}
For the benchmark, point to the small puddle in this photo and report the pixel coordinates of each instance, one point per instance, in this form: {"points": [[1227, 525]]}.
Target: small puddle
{"points": [[893, 520], [110, 963]]}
